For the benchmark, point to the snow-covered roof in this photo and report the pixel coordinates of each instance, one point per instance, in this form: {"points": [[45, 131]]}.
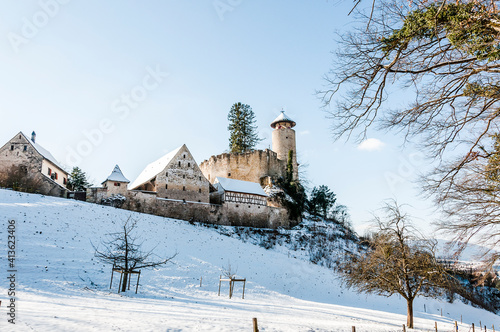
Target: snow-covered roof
{"points": [[46, 154], [154, 168], [282, 118], [117, 176], [240, 186]]}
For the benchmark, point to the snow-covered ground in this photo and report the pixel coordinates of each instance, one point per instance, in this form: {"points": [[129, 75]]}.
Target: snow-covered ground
{"points": [[61, 287]]}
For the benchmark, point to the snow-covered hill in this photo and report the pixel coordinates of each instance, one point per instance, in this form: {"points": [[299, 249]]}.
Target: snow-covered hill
{"points": [[61, 287]]}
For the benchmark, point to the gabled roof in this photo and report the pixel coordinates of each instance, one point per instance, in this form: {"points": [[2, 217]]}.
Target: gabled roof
{"points": [[117, 176], [46, 154], [154, 168], [282, 118], [239, 186]]}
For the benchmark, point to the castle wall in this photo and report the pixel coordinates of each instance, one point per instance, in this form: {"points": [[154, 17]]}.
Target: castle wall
{"points": [[229, 214], [248, 166], [284, 141], [96, 194]]}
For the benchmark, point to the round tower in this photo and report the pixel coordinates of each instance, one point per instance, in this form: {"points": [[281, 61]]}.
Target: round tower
{"points": [[284, 141]]}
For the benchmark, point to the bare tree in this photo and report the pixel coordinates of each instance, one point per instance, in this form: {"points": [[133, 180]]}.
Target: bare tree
{"points": [[398, 261], [228, 271], [471, 203], [122, 250], [444, 57]]}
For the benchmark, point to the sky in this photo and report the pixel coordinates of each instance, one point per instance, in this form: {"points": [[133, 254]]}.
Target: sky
{"points": [[125, 82]]}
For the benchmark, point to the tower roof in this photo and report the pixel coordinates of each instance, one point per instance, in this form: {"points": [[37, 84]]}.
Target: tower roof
{"points": [[117, 176], [282, 118]]}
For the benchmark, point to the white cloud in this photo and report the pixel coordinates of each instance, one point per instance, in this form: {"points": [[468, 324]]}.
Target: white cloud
{"points": [[371, 144]]}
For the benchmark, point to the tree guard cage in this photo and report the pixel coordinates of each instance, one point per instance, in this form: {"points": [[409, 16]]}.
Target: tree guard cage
{"points": [[115, 269], [231, 281]]}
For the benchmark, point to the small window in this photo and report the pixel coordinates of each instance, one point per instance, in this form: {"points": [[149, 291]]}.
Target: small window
{"points": [[65, 181], [189, 164], [199, 190], [249, 206], [228, 174], [237, 205], [184, 156], [19, 136], [117, 184], [166, 174], [199, 201], [56, 176], [12, 148], [183, 176], [25, 148], [183, 188], [166, 186], [200, 178], [50, 172], [179, 164]]}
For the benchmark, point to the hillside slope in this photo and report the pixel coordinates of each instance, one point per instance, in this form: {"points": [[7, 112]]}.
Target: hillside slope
{"points": [[61, 287]]}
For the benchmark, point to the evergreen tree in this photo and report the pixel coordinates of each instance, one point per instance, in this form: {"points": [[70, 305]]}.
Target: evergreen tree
{"points": [[322, 200], [243, 131], [77, 180]]}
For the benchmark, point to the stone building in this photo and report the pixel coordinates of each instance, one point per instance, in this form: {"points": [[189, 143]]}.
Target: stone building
{"points": [[258, 165], [115, 184], [174, 176], [30, 157]]}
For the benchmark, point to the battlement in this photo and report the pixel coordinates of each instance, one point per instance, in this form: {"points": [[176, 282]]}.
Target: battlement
{"points": [[247, 166]]}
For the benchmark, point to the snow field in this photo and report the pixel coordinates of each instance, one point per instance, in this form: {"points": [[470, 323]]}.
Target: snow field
{"points": [[60, 286]]}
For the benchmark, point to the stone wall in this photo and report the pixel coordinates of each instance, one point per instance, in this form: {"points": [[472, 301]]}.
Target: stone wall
{"points": [[249, 166], [230, 214], [96, 194]]}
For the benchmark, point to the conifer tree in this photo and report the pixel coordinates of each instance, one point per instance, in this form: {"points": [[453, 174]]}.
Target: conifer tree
{"points": [[242, 129], [77, 180]]}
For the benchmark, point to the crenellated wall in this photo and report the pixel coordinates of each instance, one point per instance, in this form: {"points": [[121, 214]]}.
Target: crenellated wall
{"points": [[248, 166]]}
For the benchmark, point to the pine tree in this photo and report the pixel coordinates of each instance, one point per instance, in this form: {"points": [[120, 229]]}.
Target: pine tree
{"points": [[77, 180], [242, 129]]}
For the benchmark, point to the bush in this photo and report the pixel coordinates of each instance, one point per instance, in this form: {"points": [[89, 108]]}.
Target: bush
{"points": [[18, 178]]}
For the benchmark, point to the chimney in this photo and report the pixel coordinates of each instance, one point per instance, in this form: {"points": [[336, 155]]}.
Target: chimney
{"points": [[33, 136]]}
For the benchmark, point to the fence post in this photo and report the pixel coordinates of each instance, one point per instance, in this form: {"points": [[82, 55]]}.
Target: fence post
{"points": [[354, 329], [255, 326], [436, 326], [473, 329], [460, 319], [201, 278], [456, 326], [441, 312], [404, 328]]}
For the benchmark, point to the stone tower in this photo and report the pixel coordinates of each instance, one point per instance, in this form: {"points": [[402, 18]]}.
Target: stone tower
{"points": [[284, 140]]}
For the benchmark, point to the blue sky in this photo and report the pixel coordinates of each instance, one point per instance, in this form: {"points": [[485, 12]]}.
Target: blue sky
{"points": [[125, 82]]}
